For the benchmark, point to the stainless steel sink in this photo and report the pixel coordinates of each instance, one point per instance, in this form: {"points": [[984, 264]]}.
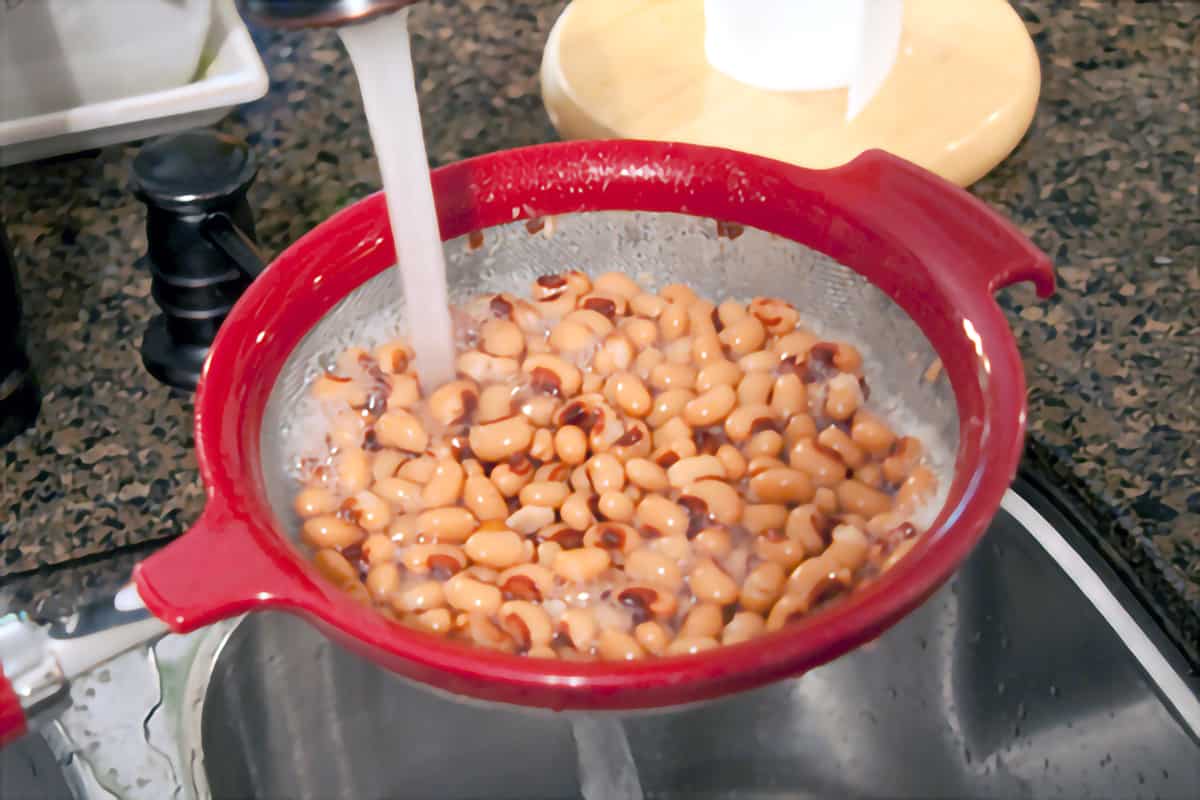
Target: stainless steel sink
{"points": [[1029, 675]]}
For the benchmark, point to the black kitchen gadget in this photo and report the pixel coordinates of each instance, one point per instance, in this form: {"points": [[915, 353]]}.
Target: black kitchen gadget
{"points": [[19, 397], [202, 252]]}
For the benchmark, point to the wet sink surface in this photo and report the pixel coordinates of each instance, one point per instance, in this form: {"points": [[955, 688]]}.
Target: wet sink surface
{"points": [[1007, 683], [29, 770]]}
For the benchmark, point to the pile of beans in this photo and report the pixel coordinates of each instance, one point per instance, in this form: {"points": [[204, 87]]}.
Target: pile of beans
{"points": [[614, 474]]}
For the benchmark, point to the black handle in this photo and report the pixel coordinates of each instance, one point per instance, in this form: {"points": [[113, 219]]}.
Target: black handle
{"points": [[19, 397]]}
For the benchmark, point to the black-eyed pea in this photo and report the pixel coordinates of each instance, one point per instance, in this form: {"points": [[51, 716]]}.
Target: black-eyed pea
{"points": [[598, 323], [782, 485], [571, 338], [796, 343], [858, 498], [579, 626], [614, 505], [465, 593], [760, 517], [847, 358], [378, 548], [653, 637], [502, 337], [580, 482], [577, 281], [498, 549], [744, 626], [367, 510], [646, 474], [496, 441], [734, 461], [404, 529], [777, 316], [666, 376], [800, 426], [647, 305], [330, 531], [393, 357], [763, 586], [775, 545], [696, 468], [437, 621], [353, 470], [807, 525], [383, 581], [616, 353], [789, 396], [495, 402], [549, 287], [610, 306], [615, 645], [678, 351], [401, 430], [616, 283], [719, 372], [335, 568], [668, 454], [871, 433], [721, 501], [417, 470], [629, 394], [916, 489], [671, 431], [549, 494], [615, 537], [678, 293], [712, 407], [642, 333], [404, 391], [528, 624], [669, 404], [700, 318], [747, 420], [552, 375], [824, 466], [530, 519], [576, 511], [710, 584], [764, 443], [664, 517], [707, 350], [386, 463], [481, 631], [645, 565], [730, 312], [606, 473], [754, 388], [647, 361], [713, 542], [331, 388], [446, 485], [581, 564], [811, 582], [635, 442], [483, 499], [533, 582], [439, 560], [904, 457], [418, 597], [512, 476], [483, 368], [450, 525], [759, 361], [843, 396], [760, 464], [840, 442], [743, 337], [690, 645], [648, 601], [540, 409], [870, 474], [315, 500], [881, 525], [673, 322], [849, 547], [676, 548], [703, 619]]}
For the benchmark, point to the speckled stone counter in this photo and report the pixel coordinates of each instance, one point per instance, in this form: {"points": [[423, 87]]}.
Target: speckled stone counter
{"points": [[1106, 183]]}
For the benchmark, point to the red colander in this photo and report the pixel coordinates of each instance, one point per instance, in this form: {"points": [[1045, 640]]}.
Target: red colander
{"points": [[878, 251]]}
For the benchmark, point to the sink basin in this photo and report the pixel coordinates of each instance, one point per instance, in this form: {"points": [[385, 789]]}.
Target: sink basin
{"points": [[1007, 683], [29, 769]]}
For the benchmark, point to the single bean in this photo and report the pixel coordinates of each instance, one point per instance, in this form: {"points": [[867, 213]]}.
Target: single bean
{"points": [[800, 426], [496, 441], [404, 392], [483, 499], [502, 337], [782, 485], [871, 433], [689, 470], [394, 357], [673, 321], [718, 372], [610, 306], [734, 461], [796, 343], [788, 396], [422, 596], [571, 338], [710, 408], [418, 470], [647, 566], [666, 376], [576, 512], [579, 625], [870, 474], [613, 645], [549, 374], [760, 517], [446, 485], [825, 467], [678, 351], [330, 531], [669, 404], [686, 645], [663, 516], [483, 368], [440, 559], [810, 527], [383, 580], [673, 430], [744, 626], [646, 474], [764, 585], [614, 505], [581, 564], [549, 494], [448, 525], [746, 420], [532, 582], [629, 394], [528, 624], [707, 350], [744, 336], [368, 511], [596, 322], [616, 283], [616, 353], [904, 458], [759, 361], [668, 454], [700, 318], [849, 547], [437, 620], [378, 548], [643, 333], [764, 443], [676, 548], [776, 546], [710, 584], [843, 397], [647, 361], [653, 637], [858, 498], [647, 305], [730, 313], [704, 619], [722, 501], [314, 500], [404, 529], [468, 594], [916, 489], [353, 471], [713, 542], [777, 316], [530, 519], [401, 430], [615, 537], [512, 476], [605, 473], [331, 388], [498, 549], [837, 440], [335, 568]]}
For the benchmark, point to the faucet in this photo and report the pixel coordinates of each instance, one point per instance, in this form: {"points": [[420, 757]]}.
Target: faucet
{"points": [[292, 14]]}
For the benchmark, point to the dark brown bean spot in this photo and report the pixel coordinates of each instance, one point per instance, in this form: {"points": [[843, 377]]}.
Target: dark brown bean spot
{"points": [[593, 504], [551, 281], [666, 458], [729, 230], [371, 441], [353, 553], [520, 464], [442, 566], [630, 437], [521, 587], [707, 442], [716, 320], [601, 305], [500, 307], [399, 361], [336, 378], [611, 537], [518, 630], [460, 444], [794, 365], [827, 451], [764, 424], [567, 539], [698, 517], [580, 415], [822, 353], [534, 224], [638, 599], [651, 532], [824, 526], [545, 381], [474, 240], [560, 472]]}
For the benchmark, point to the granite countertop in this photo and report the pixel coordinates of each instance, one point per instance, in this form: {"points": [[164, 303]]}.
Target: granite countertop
{"points": [[1105, 183]]}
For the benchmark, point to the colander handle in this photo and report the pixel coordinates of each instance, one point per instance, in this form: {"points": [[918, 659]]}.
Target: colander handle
{"points": [[941, 221], [223, 566]]}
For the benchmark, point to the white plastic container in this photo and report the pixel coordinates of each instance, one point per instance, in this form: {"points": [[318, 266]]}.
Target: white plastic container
{"points": [[230, 73]]}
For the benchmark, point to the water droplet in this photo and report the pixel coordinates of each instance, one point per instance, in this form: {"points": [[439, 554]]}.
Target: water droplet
{"points": [[1001, 687], [1053, 690]]}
